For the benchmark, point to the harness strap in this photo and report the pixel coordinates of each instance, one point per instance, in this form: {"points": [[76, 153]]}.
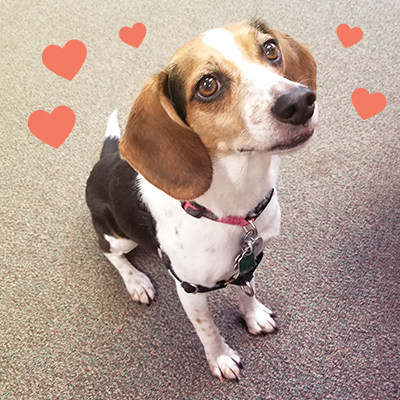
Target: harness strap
{"points": [[191, 288]]}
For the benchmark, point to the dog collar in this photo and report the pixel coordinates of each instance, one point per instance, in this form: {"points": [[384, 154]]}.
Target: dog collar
{"points": [[198, 211]]}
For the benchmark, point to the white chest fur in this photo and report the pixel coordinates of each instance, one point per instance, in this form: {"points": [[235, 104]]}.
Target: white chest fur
{"points": [[203, 251]]}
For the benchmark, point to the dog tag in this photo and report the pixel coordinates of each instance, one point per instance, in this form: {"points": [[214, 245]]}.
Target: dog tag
{"points": [[251, 246], [257, 245], [246, 263]]}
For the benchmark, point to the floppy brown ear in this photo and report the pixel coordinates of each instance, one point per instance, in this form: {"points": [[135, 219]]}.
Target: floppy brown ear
{"points": [[299, 63], [162, 148]]}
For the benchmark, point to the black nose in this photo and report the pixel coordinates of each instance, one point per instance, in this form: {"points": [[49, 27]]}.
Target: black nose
{"points": [[295, 106]]}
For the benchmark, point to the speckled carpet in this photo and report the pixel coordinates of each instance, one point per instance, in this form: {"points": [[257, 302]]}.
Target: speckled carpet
{"points": [[69, 329]]}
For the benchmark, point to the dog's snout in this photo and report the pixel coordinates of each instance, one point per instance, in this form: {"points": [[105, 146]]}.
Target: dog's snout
{"points": [[295, 106]]}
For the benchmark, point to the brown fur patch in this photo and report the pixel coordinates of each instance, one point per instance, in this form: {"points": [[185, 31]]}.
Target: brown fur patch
{"points": [[162, 148], [298, 63]]}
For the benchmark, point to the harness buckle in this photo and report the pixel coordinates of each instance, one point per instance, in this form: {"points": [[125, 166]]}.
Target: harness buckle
{"points": [[190, 288], [194, 209]]}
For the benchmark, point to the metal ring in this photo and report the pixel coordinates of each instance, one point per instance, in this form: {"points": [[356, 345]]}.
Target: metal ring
{"points": [[247, 289], [249, 250], [253, 228]]}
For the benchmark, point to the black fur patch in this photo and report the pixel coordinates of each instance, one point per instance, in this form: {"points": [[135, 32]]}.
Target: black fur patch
{"points": [[175, 91], [113, 197]]}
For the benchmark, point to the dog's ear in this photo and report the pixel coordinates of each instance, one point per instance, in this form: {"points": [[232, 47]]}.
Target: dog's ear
{"points": [[162, 148], [298, 63]]}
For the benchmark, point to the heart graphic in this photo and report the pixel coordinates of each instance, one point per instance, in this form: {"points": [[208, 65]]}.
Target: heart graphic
{"points": [[367, 105], [65, 61], [133, 36], [349, 36], [53, 128]]}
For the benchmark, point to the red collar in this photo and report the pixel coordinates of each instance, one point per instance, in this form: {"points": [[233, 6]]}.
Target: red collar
{"points": [[198, 211]]}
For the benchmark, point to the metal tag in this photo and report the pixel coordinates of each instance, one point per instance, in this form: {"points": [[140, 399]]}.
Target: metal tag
{"points": [[251, 246], [258, 245], [246, 263]]}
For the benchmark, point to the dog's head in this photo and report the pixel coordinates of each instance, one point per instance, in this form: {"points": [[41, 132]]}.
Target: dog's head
{"points": [[242, 88]]}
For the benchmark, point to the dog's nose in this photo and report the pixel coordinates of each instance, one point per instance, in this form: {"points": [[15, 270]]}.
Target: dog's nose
{"points": [[295, 106]]}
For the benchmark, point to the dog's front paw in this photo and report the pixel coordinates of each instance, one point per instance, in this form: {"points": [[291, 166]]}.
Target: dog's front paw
{"points": [[225, 363], [259, 319], [140, 287]]}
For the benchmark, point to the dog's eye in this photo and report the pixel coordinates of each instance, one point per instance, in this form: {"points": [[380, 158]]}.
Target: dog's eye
{"points": [[271, 51], [207, 86]]}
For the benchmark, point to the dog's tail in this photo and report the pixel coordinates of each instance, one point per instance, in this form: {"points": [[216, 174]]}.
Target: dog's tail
{"points": [[113, 134]]}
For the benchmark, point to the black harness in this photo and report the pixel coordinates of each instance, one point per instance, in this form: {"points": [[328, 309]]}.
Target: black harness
{"points": [[241, 280]]}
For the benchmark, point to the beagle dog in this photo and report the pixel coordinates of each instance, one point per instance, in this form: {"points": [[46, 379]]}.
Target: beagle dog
{"points": [[193, 177]]}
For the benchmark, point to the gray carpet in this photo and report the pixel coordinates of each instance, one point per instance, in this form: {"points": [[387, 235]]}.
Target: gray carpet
{"points": [[68, 327]]}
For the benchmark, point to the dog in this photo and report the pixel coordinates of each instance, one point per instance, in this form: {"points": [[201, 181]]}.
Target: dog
{"points": [[194, 176]]}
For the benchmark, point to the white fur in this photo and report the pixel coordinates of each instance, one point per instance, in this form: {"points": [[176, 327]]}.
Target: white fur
{"points": [[258, 317], [113, 130], [223, 41], [120, 245], [223, 361], [137, 283]]}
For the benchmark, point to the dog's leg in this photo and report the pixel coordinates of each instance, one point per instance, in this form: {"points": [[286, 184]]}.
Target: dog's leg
{"points": [[138, 284], [258, 317], [224, 362]]}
